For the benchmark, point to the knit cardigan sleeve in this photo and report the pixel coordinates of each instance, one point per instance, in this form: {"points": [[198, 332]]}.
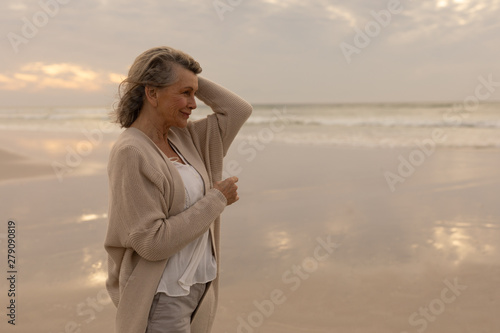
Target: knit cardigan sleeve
{"points": [[140, 195], [230, 110]]}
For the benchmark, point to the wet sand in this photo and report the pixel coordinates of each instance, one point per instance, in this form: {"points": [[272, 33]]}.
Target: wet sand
{"points": [[14, 166], [317, 243]]}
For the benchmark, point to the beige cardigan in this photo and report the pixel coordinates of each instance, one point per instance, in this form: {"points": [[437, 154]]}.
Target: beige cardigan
{"points": [[147, 220]]}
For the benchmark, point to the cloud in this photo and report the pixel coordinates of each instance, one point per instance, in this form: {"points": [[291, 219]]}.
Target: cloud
{"points": [[17, 6], [266, 50], [116, 78], [37, 76], [340, 13], [459, 21], [9, 83]]}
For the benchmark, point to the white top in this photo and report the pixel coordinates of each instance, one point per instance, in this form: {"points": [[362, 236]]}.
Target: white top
{"points": [[195, 263]]}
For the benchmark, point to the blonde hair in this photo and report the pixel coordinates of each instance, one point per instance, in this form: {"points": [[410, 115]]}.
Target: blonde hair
{"points": [[155, 68]]}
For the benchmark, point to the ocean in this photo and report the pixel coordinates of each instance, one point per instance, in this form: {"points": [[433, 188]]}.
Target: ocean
{"points": [[345, 125]]}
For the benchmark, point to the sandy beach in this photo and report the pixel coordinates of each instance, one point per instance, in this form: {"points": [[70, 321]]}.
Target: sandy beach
{"points": [[318, 242], [14, 166]]}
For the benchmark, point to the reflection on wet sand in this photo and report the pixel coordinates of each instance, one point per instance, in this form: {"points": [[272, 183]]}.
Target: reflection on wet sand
{"points": [[61, 230], [310, 247], [92, 217], [278, 241], [460, 244], [398, 254]]}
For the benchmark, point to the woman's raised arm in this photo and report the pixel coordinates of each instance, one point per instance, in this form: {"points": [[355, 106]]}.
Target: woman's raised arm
{"points": [[230, 109]]}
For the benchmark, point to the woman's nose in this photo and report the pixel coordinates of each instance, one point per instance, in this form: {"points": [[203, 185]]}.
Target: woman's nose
{"points": [[192, 103]]}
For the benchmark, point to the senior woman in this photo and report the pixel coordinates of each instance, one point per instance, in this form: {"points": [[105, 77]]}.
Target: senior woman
{"points": [[166, 195]]}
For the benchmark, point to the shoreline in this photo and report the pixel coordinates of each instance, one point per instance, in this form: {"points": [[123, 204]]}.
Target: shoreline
{"points": [[20, 166]]}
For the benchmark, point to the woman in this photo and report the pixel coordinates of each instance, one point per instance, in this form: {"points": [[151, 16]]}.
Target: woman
{"points": [[166, 195]]}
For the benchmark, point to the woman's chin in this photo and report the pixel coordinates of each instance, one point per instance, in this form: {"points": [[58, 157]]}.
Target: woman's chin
{"points": [[182, 124]]}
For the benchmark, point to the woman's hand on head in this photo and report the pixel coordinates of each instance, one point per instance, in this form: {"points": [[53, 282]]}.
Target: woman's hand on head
{"points": [[229, 188]]}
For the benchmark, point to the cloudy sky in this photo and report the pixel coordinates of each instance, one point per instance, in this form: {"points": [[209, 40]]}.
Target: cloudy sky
{"points": [[75, 52]]}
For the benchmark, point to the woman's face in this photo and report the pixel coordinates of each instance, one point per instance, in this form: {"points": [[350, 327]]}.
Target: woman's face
{"points": [[176, 101]]}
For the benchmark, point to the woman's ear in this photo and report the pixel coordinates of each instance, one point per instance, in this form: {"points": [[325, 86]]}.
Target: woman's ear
{"points": [[151, 94]]}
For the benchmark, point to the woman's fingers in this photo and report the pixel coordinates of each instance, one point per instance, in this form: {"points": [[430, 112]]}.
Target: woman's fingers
{"points": [[229, 188]]}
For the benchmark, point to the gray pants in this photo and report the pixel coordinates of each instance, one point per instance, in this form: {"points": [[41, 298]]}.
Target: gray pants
{"points": [[173, 314]]}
